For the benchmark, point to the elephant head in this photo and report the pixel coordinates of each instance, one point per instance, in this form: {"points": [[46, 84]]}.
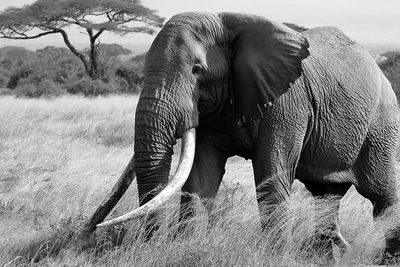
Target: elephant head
{"points": [[201, 67]]}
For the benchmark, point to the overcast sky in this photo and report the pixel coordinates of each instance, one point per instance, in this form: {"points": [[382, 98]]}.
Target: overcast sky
{"points": [[366, 21]]}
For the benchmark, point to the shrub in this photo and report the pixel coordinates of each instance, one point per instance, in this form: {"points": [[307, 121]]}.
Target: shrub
{"points": [[391, 68], [129, 79], [26, 90], [45, 88], [5, 91], [20, 73], [89, 87], [3, 80]]}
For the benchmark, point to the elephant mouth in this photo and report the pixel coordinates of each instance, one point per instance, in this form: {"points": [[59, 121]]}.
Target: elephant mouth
{"points": [[173, 186]]}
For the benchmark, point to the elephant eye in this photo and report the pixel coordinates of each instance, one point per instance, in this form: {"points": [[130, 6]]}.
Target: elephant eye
{"points": [[197, 69]]}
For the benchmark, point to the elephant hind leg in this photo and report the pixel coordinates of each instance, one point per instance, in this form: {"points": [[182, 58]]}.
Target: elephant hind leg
{"points": [[328, 234], [376, 180]]}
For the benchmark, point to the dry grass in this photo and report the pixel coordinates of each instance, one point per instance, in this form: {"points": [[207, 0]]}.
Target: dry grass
{"points": [[58, 158]]}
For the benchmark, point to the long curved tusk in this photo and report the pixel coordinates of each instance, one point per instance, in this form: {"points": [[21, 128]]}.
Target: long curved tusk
{"points": [[176, 183]]}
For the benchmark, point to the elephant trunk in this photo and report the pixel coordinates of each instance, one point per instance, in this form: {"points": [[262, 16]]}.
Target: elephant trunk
{"points": [[154, 140]]}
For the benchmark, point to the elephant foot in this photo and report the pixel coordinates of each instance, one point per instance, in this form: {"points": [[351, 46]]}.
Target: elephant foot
{"points": [[391, 256], [339, 241], [321, 248]]}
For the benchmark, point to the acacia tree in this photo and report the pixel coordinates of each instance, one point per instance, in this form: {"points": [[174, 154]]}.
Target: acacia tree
{"points": [[45, 17]]}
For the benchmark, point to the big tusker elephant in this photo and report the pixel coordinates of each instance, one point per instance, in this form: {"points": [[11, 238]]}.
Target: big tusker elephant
{"points": [[311, 106]]}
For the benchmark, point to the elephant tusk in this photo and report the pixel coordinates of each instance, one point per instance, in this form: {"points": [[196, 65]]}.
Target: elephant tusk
{"points": [[175, 184]]}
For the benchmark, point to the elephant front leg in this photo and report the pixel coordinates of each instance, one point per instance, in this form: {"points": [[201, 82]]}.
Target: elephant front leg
{"points": [[274, 165], [272, 197], [274, 181], [206, 174]]}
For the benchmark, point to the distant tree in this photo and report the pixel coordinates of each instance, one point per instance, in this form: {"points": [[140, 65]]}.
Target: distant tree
{"points": [[94, 16], [107, 57]]}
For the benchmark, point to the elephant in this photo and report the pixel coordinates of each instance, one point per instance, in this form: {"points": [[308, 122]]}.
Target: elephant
{"points": [[311, 105]]}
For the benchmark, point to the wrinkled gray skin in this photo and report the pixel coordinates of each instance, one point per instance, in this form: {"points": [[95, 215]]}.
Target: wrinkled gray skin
{"points": [[311, 106]]}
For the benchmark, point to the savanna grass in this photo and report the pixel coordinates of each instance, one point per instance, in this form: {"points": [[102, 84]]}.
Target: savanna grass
{"points": [[59, 157]]}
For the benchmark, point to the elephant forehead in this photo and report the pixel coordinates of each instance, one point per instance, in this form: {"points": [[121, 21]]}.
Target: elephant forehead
{"points": [[205, 28]]}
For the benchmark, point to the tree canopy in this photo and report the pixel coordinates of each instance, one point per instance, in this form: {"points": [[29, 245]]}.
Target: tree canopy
{"points": [[45, 17]]}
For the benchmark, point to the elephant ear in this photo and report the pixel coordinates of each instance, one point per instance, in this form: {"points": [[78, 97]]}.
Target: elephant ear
{"points": [[266, 61]]}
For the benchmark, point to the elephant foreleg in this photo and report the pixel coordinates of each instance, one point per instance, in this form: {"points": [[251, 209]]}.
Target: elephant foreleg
{"points": [[274, 180], [206, 174], [272, 197], [276, 157]]}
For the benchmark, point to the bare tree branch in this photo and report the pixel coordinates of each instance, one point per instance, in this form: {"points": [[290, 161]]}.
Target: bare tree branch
{"points": [[24, 36], [73, 49], [98, 34]]}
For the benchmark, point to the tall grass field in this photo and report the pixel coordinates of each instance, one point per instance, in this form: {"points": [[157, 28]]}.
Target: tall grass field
{"points": [[59, 158]]}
